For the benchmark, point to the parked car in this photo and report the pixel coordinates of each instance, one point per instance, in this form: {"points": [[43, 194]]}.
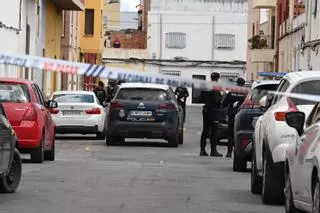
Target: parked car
{"points": [[79, 112], [272, 134], [302, 177], [10, 161], [143, 110], [248, 112], [29, 115]]}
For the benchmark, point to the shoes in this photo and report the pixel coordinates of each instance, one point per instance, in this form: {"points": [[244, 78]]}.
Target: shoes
{"points": [[228, 155], [203, 153], [215, 153]]}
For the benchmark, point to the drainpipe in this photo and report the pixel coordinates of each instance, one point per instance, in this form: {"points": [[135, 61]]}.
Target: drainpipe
{"points": [[309, 18], [160, 43], [212, 49]]}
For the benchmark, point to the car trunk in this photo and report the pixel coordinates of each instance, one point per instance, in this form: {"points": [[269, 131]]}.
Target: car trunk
{"points": [[16, 112], [74, 109]]}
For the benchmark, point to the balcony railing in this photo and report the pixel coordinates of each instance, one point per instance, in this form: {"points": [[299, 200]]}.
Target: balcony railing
{"points": [[261, 42]]}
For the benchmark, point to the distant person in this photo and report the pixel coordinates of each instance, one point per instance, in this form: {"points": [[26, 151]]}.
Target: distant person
{"points": [[100, 92], [229, 101], [111, 90], [211, 114], [182, 94]]}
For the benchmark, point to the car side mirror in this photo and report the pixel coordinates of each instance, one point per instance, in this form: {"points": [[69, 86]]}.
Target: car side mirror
{"points": [[296, 120], [52, 104]]}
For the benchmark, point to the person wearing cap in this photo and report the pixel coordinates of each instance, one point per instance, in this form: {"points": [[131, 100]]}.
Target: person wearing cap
{"points": [[211, 113], [233, 100], [100, 92]]}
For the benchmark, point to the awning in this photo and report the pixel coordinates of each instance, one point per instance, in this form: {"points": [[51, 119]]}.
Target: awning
{"points": [[272, 74], [76, 5]]}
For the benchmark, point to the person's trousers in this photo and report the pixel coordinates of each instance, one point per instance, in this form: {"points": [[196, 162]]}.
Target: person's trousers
{"points": [[209, 127], [230, 134]]}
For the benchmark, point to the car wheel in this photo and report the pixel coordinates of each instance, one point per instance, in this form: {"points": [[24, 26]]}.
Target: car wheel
{"points": [[101, 136], [256, 180], [272, 190], [10, 182], [289, 204], [50, 155], [181, 137], [239, 164], [110, 140], [174, 141], [37, 155], [316, 197]]}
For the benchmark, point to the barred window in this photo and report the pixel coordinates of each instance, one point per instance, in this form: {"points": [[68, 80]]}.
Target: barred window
{"points": [[176, 40], [170, 72], [224, 41], [105, 21]]}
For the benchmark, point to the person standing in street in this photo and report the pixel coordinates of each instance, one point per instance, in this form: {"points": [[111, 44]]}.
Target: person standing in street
{"points": [[182, 94], [232, 98], [211, 113], [100, 92]]}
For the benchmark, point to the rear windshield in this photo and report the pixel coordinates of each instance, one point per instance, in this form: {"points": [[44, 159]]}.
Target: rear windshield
{"points": [[142, 94], [310, 88], [73, 98], [261, 91], [14, 93]]}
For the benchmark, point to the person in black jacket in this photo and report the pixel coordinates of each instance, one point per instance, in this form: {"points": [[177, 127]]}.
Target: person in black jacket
{"points": [[229, 101], [182, 94], [211, 117], [100, 92]]}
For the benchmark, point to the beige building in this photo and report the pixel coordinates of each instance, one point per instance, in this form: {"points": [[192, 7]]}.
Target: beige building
{"points": [[261, 38]]}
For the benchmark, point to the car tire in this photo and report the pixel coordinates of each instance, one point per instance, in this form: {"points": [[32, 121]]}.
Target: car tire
{"points": [[289, 204], [239, 164], [174, 141], [110, 141], [101, 136], [37, 155], [50, 155], [181, 136], [272, 191], [316, 197], [256, 180], [10, 182]]}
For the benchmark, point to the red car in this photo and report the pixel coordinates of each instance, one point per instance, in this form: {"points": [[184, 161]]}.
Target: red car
{"points": [[29, 115]]}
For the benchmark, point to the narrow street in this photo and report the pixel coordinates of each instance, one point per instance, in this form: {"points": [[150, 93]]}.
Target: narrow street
{"points": [[88, 176]]}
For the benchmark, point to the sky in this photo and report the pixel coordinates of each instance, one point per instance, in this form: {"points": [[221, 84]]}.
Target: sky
{"points": [[129, 5]]}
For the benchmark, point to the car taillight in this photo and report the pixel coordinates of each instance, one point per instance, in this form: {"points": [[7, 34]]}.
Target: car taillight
{"points": [[281, 116], [244, 141], [94, 111], [30, 115], [54, 111], [115, 105], [167, 106]]}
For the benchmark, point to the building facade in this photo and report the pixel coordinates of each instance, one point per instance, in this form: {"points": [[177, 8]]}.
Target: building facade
{"points": [[91, 37], [198, 38]]}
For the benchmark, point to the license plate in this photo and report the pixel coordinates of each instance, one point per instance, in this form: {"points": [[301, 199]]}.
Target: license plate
{"points": [[71, 112], [141, 113]]}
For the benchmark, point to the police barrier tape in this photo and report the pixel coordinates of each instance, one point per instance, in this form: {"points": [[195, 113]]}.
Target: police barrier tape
{"points": [[121, 74], [313, 98]]}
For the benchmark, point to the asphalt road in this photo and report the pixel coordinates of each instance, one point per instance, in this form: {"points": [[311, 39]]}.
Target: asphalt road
{"points": [[89, 177]]}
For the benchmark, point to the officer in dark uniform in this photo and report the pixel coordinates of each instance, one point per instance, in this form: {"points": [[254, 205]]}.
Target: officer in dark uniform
{"points": [[182, 94], [229, 100], [211, 117], [100, 92]]}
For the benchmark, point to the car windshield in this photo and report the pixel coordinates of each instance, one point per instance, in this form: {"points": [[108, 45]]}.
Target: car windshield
{"points": [[310, 88], [73, 98], [14, 93], [144, 94], [262, 90]]}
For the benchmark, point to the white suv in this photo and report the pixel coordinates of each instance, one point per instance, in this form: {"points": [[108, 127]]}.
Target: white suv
{"points": [[272, 134]]}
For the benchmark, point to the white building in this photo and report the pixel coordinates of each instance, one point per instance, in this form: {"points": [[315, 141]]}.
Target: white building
{"points": [[199, 33], [20, 32]]}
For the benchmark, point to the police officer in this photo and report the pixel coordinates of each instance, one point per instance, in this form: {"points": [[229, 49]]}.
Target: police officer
{"points": [[210, 113], [100, 92], [182, 94], [229, 101], [111, 89]]}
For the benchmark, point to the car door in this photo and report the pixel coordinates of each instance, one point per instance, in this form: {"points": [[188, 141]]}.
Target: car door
{"points": [[304, 155], [6, 145]]}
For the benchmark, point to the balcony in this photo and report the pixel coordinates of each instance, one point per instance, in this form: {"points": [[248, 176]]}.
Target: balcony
{"points": [[76, 5], [262, 49], [264, 4]]}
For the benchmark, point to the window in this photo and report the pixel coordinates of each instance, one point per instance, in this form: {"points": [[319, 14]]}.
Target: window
{"points": [[73, 98], [105, 21], [224, 41], [310, 88], [14, 93], [283, 86], [176, 40], [170, 72], [63, 24], [37, 94], [142, 94], [261, 91], [89, 21]]}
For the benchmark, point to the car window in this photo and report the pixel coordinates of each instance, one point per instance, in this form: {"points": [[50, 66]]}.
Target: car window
{"points": [[73, 98], [146, 94], [262, 90], [171, 94], [14, 93], [38, 97], [310, 88], [314, 116], [283, 86]]}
